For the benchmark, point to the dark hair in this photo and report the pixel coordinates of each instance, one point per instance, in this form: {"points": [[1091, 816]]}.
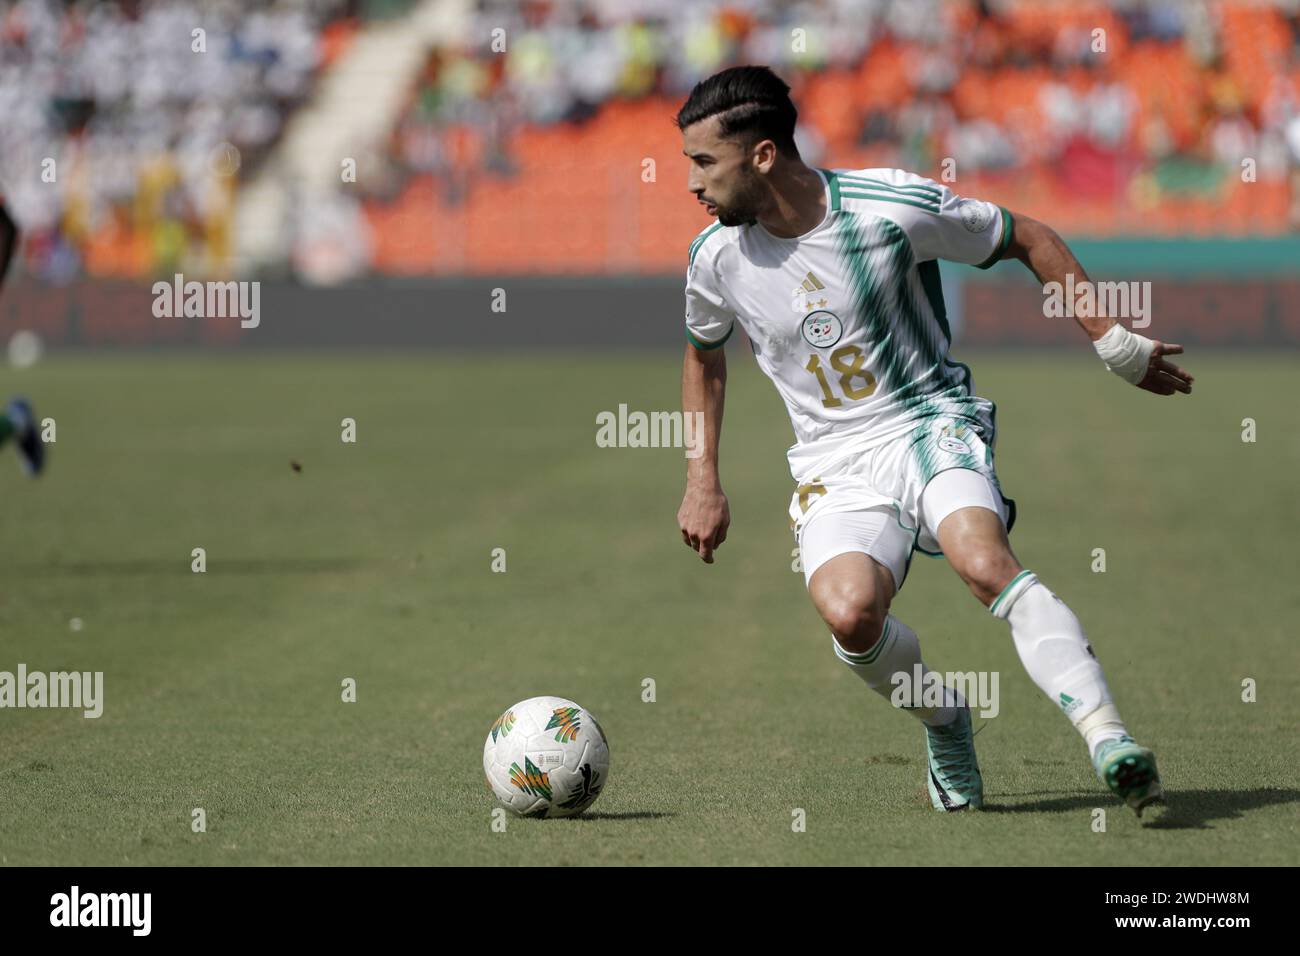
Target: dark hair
{"points": [[753, 103]]}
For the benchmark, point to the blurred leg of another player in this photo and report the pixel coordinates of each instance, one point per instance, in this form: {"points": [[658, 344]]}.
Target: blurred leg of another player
{"points": [[17, 421]]}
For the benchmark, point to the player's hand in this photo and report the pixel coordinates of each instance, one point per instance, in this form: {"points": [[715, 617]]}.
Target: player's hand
{"points": [[1165, 378], [704, 518]]}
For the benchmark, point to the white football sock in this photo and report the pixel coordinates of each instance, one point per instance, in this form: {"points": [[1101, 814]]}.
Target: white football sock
{"points": [[1058, 657], [898, 651]]}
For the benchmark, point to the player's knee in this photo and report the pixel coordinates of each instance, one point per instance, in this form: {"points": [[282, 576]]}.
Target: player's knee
{"points": [[856, 616]]}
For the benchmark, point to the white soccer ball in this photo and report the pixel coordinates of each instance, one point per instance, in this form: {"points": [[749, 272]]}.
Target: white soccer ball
{"points": [[546, 757]]}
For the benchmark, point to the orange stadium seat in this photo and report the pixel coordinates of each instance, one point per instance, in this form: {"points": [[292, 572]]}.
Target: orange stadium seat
{"points": [[575, 198], [578, 201]]}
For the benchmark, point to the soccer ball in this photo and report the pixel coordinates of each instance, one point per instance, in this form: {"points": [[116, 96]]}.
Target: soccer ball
{"points": [[546, 757]]}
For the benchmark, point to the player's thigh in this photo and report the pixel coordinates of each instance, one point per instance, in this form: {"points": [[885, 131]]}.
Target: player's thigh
{"points": [[964, 511], [854, 562]]}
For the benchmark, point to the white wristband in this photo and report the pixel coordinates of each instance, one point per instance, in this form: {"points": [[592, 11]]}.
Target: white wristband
{"points": [[1125, 353]]}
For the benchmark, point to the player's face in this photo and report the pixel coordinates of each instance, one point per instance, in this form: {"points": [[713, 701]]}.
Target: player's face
{"points": [[722, 176]]}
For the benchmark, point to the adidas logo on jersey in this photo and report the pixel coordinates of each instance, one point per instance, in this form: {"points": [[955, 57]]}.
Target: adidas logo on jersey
{"points": [[809, 294]]}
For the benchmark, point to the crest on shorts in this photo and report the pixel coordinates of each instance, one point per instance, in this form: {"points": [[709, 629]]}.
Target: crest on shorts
{"points": [[821, 329]]}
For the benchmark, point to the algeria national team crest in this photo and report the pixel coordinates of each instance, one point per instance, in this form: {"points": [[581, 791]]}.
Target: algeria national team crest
{"points": [[952, 439], [954, 446], [976, 214], [821, 328]]}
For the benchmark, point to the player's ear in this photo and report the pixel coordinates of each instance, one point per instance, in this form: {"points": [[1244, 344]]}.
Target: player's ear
{"points": [[764, 156]]}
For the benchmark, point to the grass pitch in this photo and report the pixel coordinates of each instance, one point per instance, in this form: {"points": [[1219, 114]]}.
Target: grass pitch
{"points": [[223, 689]]}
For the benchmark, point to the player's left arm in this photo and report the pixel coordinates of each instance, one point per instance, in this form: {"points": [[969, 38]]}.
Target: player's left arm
{"points": [[1133, 357]]}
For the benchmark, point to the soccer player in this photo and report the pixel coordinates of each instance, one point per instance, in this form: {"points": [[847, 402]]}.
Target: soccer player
{"points": [[17, 420], [833, 276]]}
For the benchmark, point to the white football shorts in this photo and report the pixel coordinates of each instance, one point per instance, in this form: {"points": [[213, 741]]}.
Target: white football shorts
{"points": [[888, 501]]}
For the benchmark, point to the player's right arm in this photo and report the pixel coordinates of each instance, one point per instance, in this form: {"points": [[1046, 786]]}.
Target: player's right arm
{"points": [[704, 515]]}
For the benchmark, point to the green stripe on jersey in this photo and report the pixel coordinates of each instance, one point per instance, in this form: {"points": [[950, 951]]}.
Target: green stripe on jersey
{"points": [[834, 181], [933, 285], [932, 282], [897, 186], [892, 197], [705, 233], [869, 301], [699, 241], [918, 188]]}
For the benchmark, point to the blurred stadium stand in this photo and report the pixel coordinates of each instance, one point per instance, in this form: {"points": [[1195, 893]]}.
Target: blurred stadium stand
{"points": [[1146, 138], [528, 162]]}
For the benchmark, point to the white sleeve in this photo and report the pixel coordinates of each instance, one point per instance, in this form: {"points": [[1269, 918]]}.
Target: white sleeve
{"points": [[939, 223], [709, 319]]}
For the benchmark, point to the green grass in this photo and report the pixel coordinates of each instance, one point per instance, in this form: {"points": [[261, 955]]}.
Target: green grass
{"points": [[223, 688]]}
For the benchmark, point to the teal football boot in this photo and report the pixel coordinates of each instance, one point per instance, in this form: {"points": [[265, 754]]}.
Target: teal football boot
{"points": [[1129, 769], [954, 779]]}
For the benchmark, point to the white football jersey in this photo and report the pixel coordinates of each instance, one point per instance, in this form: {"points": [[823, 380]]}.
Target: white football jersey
{"points": [[848, 319]]}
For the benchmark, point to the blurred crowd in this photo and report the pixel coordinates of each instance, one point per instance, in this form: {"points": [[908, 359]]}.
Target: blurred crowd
{"points": [[122, 148], [1179, 90], [124, 125]]}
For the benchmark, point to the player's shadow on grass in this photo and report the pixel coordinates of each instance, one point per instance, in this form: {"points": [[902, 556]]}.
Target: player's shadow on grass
{"points": [[1193, 809], [1062, 804], [1187, 810], [132, 567]]}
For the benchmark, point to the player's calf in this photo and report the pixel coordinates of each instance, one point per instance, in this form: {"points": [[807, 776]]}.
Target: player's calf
{"points": [[1060, 660], [853, 563], [852, 593], [986, 571], [975, 543], [1052, 646]]}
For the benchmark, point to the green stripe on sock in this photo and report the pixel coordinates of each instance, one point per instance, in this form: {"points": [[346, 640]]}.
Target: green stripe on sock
{"points": [[993, 608], [868, 656], [886, 638]]}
